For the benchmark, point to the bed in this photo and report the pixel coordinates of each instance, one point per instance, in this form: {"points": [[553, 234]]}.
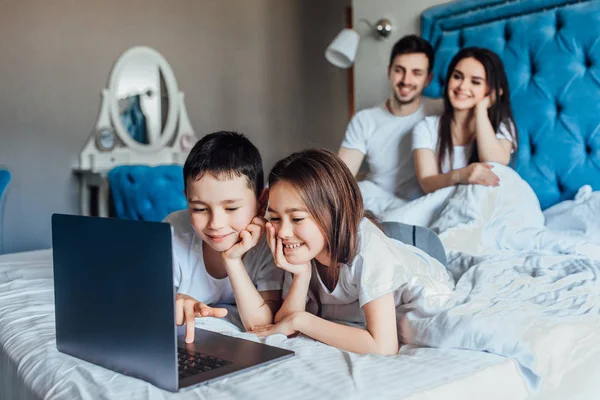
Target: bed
{"points": [[501, 251]]}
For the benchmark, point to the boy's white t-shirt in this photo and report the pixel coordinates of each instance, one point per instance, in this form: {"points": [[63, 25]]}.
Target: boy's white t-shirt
{"points": [[382, 265], [385, 140], [189, 272], [426, 134]]}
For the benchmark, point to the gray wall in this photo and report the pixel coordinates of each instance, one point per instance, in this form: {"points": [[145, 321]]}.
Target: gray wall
{"points": [[254, 66], [370, 69]]}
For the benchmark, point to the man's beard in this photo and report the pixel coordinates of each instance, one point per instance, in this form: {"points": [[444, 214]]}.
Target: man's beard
{"points": [[409, 101]]}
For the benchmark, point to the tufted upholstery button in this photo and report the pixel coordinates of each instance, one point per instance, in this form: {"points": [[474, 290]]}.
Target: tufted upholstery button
{"points": [[559, 22], [559, 108], [461, 39], [588, 61], [588, 149], [532, 149], [507, 32]]}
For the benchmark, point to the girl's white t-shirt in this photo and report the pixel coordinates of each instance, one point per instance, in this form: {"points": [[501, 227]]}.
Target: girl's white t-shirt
{"points": [[426, 134], [382, 265]]}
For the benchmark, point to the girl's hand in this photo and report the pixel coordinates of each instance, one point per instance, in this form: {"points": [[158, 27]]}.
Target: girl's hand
{"points": [[287, 326], [479, 174], [276, 245], [249, 237], [187, 309]]}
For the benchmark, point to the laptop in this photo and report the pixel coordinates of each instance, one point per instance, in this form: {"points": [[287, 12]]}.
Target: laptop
{"points": [[115, 306]]}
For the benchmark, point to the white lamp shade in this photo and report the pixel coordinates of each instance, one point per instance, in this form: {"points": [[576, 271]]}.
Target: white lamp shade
{"points": [[342, 51]]}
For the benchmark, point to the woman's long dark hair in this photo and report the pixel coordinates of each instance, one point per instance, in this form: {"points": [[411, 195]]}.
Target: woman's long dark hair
{"points": [[499, 113]]}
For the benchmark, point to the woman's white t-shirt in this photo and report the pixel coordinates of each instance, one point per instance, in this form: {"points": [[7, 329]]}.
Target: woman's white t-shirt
{"points": [[382, 265], [426, 134]]}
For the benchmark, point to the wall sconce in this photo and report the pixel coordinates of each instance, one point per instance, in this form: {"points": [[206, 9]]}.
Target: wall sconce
{"points": [[342, 50]]}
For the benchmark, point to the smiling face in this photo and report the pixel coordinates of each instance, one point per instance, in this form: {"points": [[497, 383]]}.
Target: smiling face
{"points": [[300, 234], [408, 77], [220, 209], [467, 85]]}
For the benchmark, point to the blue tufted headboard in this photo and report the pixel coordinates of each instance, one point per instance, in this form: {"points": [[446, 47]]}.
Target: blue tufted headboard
{"points": [[147, 193], [551, 51]]}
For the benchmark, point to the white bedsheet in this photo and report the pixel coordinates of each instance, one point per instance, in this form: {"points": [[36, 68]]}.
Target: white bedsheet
{"points": [[32, 368]]}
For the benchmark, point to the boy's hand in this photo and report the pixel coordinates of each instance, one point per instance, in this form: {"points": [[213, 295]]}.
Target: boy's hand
{"points": [[187, 309], [276, 246], [249, 237]]}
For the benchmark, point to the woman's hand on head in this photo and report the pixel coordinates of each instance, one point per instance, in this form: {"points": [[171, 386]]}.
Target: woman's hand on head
{"points": [[249, 237], [276, 245], [187, 309], [487, 102], [479, 174]]}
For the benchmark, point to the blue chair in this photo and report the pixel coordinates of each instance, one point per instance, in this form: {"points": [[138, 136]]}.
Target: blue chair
{"points": [[4, 181], [146, 193], [418, 236]]}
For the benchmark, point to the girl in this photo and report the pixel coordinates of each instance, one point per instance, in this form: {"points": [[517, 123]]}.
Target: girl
{"points": [[476, 127], [348, 268]]}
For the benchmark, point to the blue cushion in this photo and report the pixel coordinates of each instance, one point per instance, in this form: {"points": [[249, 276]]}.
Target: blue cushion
{"points": [[4, 181], [147, 193], [552, 58]]}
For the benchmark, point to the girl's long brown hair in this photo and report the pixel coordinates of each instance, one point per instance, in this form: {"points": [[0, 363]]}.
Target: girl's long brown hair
{"points": [[332, 197]]}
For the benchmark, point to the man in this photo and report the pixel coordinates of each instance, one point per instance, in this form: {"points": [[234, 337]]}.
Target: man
{"points": [[382, 134]]}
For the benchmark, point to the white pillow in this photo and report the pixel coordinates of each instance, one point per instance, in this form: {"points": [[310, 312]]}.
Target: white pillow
{"points": [[581, 215]]}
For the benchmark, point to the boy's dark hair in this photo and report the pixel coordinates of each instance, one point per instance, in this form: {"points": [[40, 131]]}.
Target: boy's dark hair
{"points": [[412, 44], [225, 154]]}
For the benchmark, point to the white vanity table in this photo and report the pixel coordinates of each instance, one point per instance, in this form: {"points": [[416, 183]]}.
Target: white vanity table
{"points": [[142, 121]]}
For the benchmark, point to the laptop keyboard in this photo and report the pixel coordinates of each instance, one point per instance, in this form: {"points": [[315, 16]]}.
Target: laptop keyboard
{"points": [[192, 363]]}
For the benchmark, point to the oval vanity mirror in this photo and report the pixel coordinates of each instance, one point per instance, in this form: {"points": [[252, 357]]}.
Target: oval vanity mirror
{"points": [[144, 106]]}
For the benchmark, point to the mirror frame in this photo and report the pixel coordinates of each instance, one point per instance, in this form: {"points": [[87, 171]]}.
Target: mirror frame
{"points": [[172, 91]]}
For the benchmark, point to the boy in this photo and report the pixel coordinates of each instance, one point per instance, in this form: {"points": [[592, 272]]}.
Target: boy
{"points": [[221, 255]]}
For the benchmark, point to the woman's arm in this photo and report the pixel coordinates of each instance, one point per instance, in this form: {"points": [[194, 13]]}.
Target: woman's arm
{"points": [[431, 179], [489, 147], [428, 173]]}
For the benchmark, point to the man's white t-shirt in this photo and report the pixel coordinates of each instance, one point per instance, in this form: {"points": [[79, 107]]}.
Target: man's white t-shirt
{"points": [[426, 134], [382, 265], [385, 140], [189, 272]]}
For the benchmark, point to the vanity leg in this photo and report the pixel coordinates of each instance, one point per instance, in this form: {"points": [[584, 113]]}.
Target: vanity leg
{"points": [[84, 196], [103, 200]]}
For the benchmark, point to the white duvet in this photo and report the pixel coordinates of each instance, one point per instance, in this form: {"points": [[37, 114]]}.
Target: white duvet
{"points": [[520, 286]]}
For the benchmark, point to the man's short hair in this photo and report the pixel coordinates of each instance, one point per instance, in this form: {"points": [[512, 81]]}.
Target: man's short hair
{"points": [[411, 44]]}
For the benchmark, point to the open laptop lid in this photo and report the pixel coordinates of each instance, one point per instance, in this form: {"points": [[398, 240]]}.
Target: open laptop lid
{"points": [[114, 295]]}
